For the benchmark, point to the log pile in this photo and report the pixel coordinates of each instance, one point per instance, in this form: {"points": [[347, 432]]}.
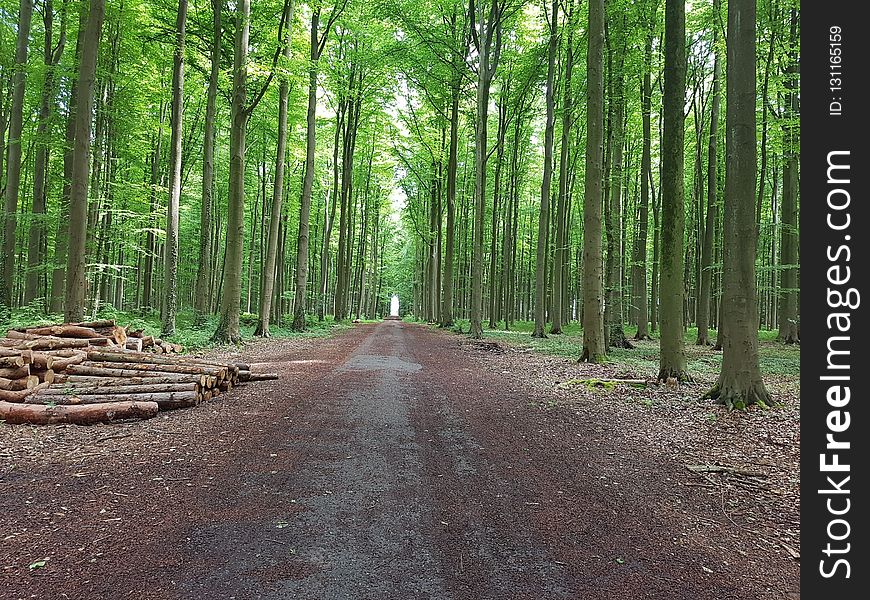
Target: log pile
{"points": [[97, 371]]}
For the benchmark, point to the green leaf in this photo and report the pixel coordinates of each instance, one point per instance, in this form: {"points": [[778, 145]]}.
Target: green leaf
{"points": [[620, 560], [38, 564]]}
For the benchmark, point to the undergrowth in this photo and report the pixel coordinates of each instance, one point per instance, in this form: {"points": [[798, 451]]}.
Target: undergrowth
{"points": [[704, 362]]}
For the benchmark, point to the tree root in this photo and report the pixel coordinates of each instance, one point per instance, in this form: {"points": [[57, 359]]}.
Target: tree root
{"points": [[739, 396], [673, 377]]}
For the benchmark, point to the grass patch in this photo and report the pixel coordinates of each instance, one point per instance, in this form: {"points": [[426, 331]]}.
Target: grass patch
{"points": [[702, 361]]}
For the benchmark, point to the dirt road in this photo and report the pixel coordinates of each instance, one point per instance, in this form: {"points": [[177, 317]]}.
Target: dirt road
{"points": [[382, 465]]}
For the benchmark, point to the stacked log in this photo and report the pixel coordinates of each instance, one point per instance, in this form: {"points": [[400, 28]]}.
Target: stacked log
{"points": [[91, 372], [138, 341]]}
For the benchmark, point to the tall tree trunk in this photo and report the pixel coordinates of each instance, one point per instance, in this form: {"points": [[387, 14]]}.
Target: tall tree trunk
{"points": [[788, 278], [672, 364], [268, 274], [544, 214], [488, 36], [740, 383], [74, 297], [613, 220], [51, 57], [330, 219], [153, 203], [640, 298], [560, 258], [308, 181], [494, 279], [203, 288], [594, 342], [231, 295], [317, 43], [61, 236], [702, 317], [450, 241], [13, 159], [170, 261]]}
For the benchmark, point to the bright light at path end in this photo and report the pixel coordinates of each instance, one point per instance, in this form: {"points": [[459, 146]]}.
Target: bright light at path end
{"points": [[398, 200]]}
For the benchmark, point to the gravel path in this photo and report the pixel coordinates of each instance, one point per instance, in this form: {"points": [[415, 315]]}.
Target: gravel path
{"points": [[383, 464]]}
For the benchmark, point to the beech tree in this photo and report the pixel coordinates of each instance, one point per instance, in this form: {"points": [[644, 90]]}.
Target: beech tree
{"points": [[13, 156], [672, 363], [76, 282], [740, 383], [594, 342], [278, 185], [170, 298]]}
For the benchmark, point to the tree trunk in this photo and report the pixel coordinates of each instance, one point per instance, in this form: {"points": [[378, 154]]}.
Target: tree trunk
{"points": [[277, 189], [640, 298], [170, 263], [153, 203], [613, 222], [228, 329], [330, 218], [594, 342], [305, 202], [702, 317], [51, 57], [560, 284], [450, 242], [672, 363], [489, 49], [788, 282], [74, 297], [13, 159], [61, 236], [544, 214], [203, 288], [496, 207], [740, 383]]}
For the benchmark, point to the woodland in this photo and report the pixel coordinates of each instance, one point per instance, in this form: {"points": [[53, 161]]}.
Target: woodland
{"points": [[628, 166]]}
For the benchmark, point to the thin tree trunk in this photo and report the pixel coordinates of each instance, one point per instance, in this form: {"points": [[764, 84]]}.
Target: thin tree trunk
{"points": [[170, 260], [450, 242], [13, 159], [640, 298], [51, 57], [613, 310], [544, 214], [268, 274], [151, 239], [704, 293], [788, 283], [330, 221], [560, 259], [494, 300], [203, 287]]}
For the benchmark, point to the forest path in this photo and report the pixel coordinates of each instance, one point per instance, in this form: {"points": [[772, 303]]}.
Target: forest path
{"points": [[382, 465]]}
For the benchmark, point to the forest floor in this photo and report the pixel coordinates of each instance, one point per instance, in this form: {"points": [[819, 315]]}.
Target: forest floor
{"points": [[398, 461]]}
